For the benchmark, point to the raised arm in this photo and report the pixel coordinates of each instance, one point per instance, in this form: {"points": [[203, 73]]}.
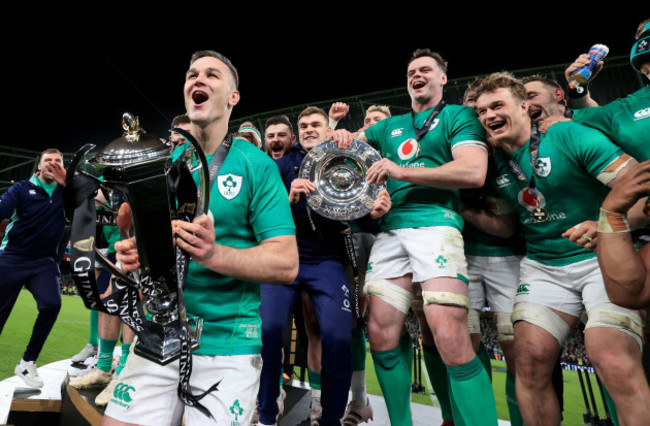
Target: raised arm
{"points": [[625, 270]]}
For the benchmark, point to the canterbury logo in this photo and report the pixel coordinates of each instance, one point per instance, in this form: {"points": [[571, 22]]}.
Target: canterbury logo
{"points": [[122, 392], [85, 245]]}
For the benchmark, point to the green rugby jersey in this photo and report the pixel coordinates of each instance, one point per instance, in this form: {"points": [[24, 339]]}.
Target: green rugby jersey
{"points": [[413, 205], [572, 159], [626, 121], [249, 203]]}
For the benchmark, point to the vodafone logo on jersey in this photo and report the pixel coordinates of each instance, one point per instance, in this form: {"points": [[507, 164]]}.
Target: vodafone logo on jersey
{"points": [[407, 149]]}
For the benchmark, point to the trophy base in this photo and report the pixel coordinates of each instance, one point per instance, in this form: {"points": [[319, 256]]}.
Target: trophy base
{"points": [[162, 344]]}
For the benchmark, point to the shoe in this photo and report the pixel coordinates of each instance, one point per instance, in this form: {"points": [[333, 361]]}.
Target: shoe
{"points": [[355, 414], [87, 352], [104, 396], [94, 378], [314, 414], [27, 371]]}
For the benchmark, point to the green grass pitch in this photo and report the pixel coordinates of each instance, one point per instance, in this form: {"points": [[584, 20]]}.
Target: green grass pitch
{"points": [[70, 334]]}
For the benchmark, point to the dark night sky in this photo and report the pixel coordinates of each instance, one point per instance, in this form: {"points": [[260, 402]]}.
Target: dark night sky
{"points": [[72, 72]]}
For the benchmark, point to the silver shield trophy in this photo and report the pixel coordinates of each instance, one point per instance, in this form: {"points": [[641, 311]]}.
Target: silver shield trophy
{"points": [[342, 191], [138, 166]]}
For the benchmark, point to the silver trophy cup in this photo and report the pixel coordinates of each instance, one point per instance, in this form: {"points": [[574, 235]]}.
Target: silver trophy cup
{"points": [[137, 165]]}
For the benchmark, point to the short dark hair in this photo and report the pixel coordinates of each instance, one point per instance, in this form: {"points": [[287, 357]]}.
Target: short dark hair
{"points": [[314, 110], [211, 53], [50, 151], [419, 53], [279, 119], [542, 79], [181, 119]]}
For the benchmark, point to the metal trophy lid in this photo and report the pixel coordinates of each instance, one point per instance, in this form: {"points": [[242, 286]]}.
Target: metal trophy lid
{"points": [[134, 147]]}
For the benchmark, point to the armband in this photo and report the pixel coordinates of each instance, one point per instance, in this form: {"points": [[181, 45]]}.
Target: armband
{"points": [[612, 222]]}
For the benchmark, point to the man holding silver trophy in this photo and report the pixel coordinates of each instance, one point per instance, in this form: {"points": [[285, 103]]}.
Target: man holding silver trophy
{"points": [[247, 236], [429, 154]]}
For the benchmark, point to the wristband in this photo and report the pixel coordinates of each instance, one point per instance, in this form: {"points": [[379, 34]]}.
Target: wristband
{"points": [[612, 222]]}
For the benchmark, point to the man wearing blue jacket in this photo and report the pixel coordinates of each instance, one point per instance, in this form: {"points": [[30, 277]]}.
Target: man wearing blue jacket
{"points": [[29, 250]]}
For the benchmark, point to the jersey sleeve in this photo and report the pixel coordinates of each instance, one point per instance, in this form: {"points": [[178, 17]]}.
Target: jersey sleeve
{"points": [[599, 156], [375, 133], [9, 201], [466, 130], [599, 118], [270, 213]]}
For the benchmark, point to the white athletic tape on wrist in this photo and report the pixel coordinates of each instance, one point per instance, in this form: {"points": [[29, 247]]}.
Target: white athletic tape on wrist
{"points": [[505, 329], [542, 317], [619, 318], [474, 321], [612, 222], [445, 298], [390, 293]]}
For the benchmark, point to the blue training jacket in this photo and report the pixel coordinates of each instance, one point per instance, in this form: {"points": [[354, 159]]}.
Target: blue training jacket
{"points": [[37, 220]]}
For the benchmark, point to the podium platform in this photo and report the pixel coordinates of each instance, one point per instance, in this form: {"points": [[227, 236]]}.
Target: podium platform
{"points": [[57, 403]]}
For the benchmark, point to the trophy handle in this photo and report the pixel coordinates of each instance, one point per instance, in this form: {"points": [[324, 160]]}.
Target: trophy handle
{"points": [[75, 161], [204, 189], [114, 270]]}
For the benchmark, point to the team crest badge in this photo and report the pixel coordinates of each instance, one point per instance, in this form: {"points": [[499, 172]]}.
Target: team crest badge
{"points": [[229, 185], [434, 124], [543, 167], [407, 149]]}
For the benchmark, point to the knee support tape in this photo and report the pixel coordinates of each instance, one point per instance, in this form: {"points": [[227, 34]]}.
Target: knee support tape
{"points": [[445, 298]]}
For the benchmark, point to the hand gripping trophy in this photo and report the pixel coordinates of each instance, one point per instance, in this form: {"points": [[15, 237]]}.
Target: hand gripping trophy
{"points": [[136, 169]]}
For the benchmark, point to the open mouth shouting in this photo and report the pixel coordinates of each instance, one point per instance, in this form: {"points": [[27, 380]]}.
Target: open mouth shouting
{"points": [[535, 114], [199, 97], [418, 84], [277, 146], [496, 126]]}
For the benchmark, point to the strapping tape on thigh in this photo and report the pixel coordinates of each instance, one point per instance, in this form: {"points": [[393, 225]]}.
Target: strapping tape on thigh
{"points": [[617, 317], [390, 293], [542, 317], [445, 298]]}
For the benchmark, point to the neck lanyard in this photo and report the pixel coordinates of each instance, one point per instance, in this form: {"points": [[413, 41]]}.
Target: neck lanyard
{"points": [[538, 213], [422, 131]]}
